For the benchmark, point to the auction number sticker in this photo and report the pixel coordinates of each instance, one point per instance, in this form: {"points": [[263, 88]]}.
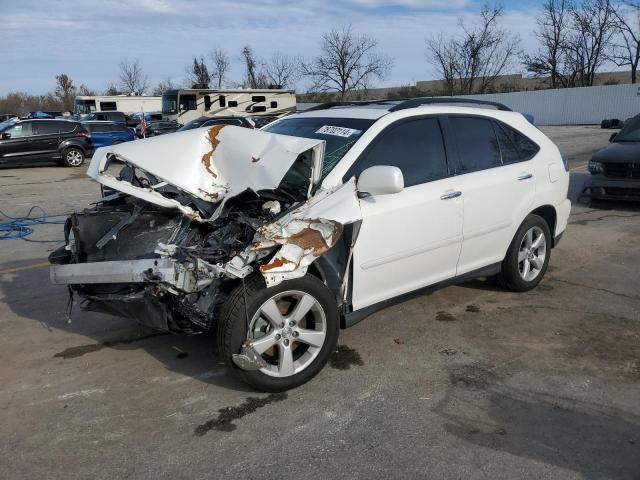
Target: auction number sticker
{"points": [[337, 131]]}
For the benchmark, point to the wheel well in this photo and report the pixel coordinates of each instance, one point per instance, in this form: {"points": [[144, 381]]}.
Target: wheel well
{"points": [[548, 213]]}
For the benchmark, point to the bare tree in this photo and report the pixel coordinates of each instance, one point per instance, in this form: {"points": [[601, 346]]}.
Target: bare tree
{"points": [[552, 33], [133, 80], [472, 60], [84, 90], [199, 74], [254, 76], [65, 91], [221, 65], [347, 62], [163, 86], [591, 40], [626, 44], [112, 89], [282, 70]]}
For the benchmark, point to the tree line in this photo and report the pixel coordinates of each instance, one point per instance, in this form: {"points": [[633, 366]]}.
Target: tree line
{"points": [[575, 40]]}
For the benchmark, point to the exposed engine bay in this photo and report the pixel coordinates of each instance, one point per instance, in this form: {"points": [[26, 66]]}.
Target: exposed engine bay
{"points": [[185, 217]]}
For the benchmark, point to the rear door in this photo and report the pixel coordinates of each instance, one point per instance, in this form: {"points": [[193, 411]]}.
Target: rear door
{"points": [[496, 195], [101, 135], [46, 139], [410, 239]]}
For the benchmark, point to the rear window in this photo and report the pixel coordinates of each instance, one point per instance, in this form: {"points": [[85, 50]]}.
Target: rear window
{"points": [[339, 134], [477, 143]]}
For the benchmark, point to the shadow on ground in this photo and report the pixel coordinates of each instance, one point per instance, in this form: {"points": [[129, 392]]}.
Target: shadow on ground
{"points": [[30, 295], [596, 441]]}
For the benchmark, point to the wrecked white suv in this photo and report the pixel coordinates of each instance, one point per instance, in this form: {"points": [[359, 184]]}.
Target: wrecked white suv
{"points": [[276, 239]]}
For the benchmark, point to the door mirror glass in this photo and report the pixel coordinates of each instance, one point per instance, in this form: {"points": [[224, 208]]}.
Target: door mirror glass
{"points": [[6, 136], [380, 180]]}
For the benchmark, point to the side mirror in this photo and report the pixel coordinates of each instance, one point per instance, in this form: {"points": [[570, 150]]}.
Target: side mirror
{"points": [[613, 135], [6, 136], [380, 180]]}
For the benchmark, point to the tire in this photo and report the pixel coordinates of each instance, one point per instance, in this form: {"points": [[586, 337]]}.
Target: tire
{"points": [[514, 275], [306, 360], [73, 157]]}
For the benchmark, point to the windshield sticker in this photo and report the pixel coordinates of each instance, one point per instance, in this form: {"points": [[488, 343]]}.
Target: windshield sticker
{"points": [[338, 131]]}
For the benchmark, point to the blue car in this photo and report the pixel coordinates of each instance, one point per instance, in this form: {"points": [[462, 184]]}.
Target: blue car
{"points": [[104, 134]]}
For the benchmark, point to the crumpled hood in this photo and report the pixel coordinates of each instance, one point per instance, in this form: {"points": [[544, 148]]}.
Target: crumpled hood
{"points": [[208, 163]]}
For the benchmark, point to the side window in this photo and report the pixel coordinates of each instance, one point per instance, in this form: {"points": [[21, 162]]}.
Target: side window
{"points": [[415, 147], [477, 143], [47, 128], [515, 146], [100, 127], [108, 106], [21, 130], [188, 102], [67, 127]]}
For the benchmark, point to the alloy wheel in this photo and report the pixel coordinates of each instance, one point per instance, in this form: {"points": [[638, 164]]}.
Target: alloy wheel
{"points": [[532, 254]]}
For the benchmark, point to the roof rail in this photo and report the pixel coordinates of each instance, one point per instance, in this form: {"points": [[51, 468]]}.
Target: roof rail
{"points": [[416, 102], [327, 105]]}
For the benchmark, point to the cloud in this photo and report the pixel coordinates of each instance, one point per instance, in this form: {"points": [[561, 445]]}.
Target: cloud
{"points": [[88, 39]]}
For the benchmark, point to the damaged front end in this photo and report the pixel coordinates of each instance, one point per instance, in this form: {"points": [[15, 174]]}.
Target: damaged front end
{"points": [[185, 217]]}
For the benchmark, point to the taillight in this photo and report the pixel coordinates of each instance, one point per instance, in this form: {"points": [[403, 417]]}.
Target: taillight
{"points": [[85, 134]]}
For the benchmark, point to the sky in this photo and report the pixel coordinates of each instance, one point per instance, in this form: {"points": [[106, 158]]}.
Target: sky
{"points": [[88, 39]]}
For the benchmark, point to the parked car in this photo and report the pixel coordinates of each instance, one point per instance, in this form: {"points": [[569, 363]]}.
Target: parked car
{"points": [[7, 116], [277, 238], [615, 170], [211, 121], [116, 117], [136, 118], [158, 128], [108, 133], [260, 121], [46, 114], [30, 141]]}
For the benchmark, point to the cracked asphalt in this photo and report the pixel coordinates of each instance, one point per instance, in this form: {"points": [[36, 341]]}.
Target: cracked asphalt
{"points": [[469, 382]]}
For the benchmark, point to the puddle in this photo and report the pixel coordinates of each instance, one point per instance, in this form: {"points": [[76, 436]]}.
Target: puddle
{"points": [[224, 421], [343, 357]]}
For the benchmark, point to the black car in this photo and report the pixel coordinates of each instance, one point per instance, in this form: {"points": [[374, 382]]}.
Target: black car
{"points": [[210, 121], [159, 128], [117, 117], [615, 170], [30, 141]]}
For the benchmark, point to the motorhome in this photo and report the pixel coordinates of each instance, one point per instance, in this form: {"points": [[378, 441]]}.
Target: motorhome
{"points": [[116, 103], [189, 104]]}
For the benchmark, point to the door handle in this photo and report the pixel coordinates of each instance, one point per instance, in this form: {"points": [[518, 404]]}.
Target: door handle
{"points": [[450, 195], [525, 176]]}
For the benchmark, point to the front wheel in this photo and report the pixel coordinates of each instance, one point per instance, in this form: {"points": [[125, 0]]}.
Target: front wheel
{"points": [[528, 255], [293, 326], [73, 157]]}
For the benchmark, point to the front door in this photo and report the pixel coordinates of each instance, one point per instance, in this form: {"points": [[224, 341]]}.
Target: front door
{"points": [[18, 147], [410, 239]]}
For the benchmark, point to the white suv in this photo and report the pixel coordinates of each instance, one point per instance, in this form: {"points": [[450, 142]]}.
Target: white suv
{"points": [[278, 238]]}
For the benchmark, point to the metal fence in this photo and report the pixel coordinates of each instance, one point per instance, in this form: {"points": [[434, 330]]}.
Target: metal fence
{"points": [[573, 106]]}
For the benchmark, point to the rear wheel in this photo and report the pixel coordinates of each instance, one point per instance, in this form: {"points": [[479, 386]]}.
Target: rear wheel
{"points": [[528, 255], [292, 326], [73, 157]]}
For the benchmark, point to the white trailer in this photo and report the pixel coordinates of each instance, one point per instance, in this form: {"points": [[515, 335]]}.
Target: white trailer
{"points": [[117, 103], [189, 104]]}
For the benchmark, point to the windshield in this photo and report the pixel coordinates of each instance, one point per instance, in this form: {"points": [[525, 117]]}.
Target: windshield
{"points": [[193, 124], [84, 106], [169, 103], [630, 132], [339, 134]]}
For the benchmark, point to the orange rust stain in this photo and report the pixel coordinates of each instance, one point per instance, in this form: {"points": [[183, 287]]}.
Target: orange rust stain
{"points": [[212, 136], [276, 263], [310, 239]]}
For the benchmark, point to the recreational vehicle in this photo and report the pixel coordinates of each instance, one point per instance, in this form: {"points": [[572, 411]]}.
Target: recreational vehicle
{"points": [[186, 105], [117, 103]]}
